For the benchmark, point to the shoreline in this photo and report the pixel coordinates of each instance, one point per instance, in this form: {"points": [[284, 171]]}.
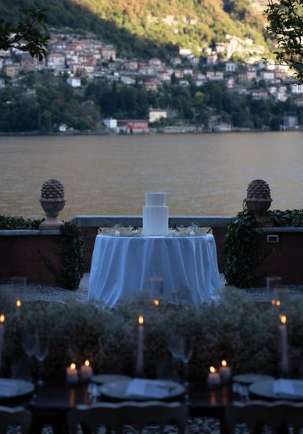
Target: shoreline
{"points": [[153, 132]]}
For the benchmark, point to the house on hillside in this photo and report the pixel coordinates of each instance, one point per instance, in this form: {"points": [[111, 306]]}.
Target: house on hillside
{"points": [[156, 115], [132, 126], [56, 60]]}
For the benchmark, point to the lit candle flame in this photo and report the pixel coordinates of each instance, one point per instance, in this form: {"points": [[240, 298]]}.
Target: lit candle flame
{"points": [[278, 303], [212, 370], [224, 363], [283, 319], [141, 320], [73, 366], [18, 303], [86, 363], [157, 302], [2, 318]]}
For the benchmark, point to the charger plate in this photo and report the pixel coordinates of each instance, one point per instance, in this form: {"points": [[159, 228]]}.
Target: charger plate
{"points": [[14, 388], [266, 389], [108, 378], [167, 390], [248, 379]]}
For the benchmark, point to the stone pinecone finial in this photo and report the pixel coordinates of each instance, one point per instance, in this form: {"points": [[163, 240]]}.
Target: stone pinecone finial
{"points": [[258, 189], [52, 189], [52, 202]]}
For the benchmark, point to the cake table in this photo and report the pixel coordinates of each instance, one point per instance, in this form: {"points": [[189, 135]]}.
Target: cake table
{"points": [[180, 269]]}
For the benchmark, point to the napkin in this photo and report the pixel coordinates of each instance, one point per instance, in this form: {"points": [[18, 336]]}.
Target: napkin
{"points": [[148, 388], [288, 388]]}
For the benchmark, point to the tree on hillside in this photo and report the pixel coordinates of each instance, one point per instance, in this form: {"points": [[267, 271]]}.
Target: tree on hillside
{"points": [[29, 34], [286, 29]]}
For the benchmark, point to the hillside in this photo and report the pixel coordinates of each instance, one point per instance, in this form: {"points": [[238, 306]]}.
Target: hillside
{"points": [[149, 27]]}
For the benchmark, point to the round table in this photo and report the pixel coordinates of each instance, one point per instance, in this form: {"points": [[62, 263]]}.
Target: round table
{"points": [[180, 269]]}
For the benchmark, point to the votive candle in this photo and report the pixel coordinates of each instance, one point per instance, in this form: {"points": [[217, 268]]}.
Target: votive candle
{"points": [[86, 371], [213, 379], [140, 348], [72, 374], [225, 372]]}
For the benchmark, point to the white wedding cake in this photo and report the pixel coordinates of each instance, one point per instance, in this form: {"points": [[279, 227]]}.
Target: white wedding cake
{"points": [[155, 214]]}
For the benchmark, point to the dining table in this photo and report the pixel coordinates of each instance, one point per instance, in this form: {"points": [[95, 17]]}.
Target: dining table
{"points": [[51, 403]]}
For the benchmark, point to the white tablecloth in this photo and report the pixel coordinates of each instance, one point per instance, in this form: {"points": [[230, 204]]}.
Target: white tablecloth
{"points": [[178, 269]]}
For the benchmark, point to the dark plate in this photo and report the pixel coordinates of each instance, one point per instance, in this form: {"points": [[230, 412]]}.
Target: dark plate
{"points": [[13, 388], [118, 390]]}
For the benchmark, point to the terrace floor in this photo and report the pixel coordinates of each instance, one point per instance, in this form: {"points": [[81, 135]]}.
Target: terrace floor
{"points": [[56, 294]]}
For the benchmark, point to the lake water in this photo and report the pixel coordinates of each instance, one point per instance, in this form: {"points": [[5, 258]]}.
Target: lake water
{"points": [[203, 174]]}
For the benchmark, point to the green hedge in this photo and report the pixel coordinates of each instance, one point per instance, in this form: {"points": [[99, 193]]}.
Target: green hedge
{"points": [[237, 329]]}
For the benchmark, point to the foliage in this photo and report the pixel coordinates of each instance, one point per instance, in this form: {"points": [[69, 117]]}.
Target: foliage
{"points": [[286, 29], [18, 223], [29, 34], [42, 102], [241, 250], [149, 28], [236, 329], [72, 257]]}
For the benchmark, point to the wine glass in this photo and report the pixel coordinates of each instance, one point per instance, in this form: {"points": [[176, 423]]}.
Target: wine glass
{"points": [[28, 343], [40, 353], [181, 349]]}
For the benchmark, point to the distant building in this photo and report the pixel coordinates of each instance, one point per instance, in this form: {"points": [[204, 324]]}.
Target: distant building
{"points": [[111, 123], [222, 127], [127, 80], [230, 67], [74, 82], [11, 70], [131, 65], [290, 121], [259, 95], [155, 63], [185, 52], [156, 115], [131, 126], [56, 60], [63, 128], [108, 53], [296, 89], [267, 75]]}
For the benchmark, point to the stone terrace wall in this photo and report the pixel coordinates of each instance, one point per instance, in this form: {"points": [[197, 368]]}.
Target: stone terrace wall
{"points": [[36, 254], [30, 253]]}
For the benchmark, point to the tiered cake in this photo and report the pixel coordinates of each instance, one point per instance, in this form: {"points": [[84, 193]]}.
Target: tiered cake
{"points": [[155, 214]]}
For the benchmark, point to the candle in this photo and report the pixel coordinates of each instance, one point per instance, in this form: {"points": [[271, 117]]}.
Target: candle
{"points": [[156, 302], [2, 329], [86, 371], [284, 344], [18, 304], [72, 374], [276, 303], [213, 379], [140, 348], [225, 372]]}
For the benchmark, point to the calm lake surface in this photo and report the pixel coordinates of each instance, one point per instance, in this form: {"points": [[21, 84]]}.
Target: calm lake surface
{"points": [[202, 174]]}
